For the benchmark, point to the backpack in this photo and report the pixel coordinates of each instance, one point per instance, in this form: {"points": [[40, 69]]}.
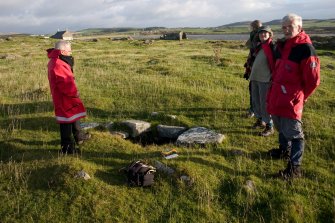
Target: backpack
{"points": [[140, 174]]}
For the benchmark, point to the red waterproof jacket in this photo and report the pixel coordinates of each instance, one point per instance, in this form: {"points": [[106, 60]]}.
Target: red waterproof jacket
{"points": [[68, 106], [295, 77]]}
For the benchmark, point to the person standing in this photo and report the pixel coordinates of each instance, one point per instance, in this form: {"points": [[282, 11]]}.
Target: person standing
{"points": [[68, 107], [260, 79], [251, 43], [295, 77]]}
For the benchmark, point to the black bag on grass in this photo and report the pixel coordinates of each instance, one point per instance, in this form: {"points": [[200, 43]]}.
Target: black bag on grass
{"points": [[140, 174]]}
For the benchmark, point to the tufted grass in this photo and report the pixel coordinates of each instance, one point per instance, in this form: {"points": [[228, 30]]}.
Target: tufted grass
{"points": [[198, 81]]}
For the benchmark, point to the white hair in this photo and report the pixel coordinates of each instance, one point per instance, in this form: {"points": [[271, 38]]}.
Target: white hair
{"points": [[294, 18], [62, 45]]}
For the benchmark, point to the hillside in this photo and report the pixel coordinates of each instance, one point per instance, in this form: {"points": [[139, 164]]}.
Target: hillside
{"points": [[317, 26], [189, 83]]}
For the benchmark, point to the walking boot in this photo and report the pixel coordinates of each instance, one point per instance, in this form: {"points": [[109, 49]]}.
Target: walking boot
{"points": [[267, 131], [290, 172]]}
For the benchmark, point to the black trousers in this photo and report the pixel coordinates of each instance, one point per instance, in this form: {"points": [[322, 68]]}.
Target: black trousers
{"points": [[68, 132]]}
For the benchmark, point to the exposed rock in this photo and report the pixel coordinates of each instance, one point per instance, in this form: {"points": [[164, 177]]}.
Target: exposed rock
{"points": [[199, 135], [121, 134], [170, 132], [89, 125], [137, 127], [83, 174]]}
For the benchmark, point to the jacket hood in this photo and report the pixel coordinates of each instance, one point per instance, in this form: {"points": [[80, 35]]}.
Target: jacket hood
{"points": [[53, 53], [301, 38]]}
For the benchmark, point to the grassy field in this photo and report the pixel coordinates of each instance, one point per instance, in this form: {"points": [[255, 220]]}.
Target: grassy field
{"points": [[121, 80]]}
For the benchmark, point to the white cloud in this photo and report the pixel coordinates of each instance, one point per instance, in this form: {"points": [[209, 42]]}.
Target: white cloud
{"points": [[45, 16]]}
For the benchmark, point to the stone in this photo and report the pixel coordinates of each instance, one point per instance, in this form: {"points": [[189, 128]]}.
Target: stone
{"points": [[82, 174], [89, 125], [121, 134], [199, 135], [170, 132], [137, 127]]}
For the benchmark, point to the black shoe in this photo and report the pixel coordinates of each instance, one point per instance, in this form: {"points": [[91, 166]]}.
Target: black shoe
{"points": [[291, 172], [276, 153], [84, 138]]}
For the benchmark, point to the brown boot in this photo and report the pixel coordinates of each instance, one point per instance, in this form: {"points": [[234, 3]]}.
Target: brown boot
{"points": [[291, 172]]}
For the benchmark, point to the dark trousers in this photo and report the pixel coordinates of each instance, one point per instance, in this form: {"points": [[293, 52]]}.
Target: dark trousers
{"points": [[251, 109], [68, 132]]}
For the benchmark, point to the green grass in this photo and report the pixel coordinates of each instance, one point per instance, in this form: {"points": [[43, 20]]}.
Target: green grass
{"points": [[121, 80]]}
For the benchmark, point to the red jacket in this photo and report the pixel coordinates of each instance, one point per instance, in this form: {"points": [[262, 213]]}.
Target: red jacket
{"points": [[68, 106], [295, 77]]}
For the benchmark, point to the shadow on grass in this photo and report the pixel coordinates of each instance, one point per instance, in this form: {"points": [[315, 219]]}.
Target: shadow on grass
{"points": [[11, 151]]}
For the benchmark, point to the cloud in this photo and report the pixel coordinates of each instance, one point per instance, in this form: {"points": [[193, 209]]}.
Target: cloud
{"points": [[45, 16]]}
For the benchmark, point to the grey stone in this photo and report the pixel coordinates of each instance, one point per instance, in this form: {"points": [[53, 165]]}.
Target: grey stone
{"points": [[170, 132], [199, 135], [137, 127]]}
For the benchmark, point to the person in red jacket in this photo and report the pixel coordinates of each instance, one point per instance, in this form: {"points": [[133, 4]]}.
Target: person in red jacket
{"points": [[295, 77], [65, 96]]}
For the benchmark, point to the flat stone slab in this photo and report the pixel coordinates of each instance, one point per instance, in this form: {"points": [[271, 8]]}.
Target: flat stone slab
{"points": [[199, 135], [170, 132], [89, 125], [137, 127]]}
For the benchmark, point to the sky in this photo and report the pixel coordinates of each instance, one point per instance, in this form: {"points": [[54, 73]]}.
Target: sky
{"points": [[48, 16]]}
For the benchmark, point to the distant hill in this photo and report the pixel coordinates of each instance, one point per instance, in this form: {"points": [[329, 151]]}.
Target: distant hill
{"points": [[278, 22], [321, 26]]}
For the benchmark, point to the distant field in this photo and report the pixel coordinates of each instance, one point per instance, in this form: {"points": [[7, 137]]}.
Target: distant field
{"points": [[200, 82]]}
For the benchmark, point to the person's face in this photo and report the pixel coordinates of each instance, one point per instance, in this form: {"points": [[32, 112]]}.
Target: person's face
{"points": [[264, 36], [290, 30], [67, 51]]}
